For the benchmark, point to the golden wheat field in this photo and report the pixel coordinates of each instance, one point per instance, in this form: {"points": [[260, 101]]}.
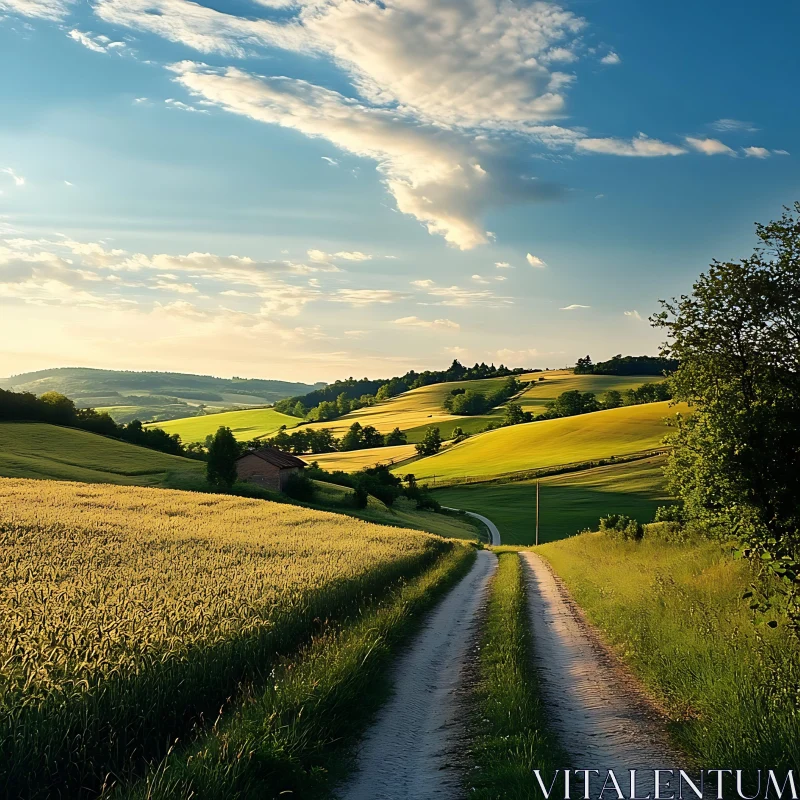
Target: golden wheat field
{"points": [[128, 613]]}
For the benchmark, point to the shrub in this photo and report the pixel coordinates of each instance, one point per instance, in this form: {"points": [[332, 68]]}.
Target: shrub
{"points": [[622, 527], [300, 487], [671, 513], [359, 497]]}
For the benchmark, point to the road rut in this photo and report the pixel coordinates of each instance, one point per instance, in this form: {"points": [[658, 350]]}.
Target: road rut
{"points": [[410, 750], [601, 718]]}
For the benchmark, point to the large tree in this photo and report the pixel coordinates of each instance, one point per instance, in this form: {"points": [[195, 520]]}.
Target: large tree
{"points": [[223, 450], [736, 456]]}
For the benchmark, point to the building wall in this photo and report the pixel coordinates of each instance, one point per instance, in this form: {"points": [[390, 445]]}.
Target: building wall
{"points": [[285, 473], [255, 470]]}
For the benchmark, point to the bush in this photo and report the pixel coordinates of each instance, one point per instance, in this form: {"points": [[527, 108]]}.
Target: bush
{"points": [[359, 497], [622, 527], [300, 487], [672, 513]]}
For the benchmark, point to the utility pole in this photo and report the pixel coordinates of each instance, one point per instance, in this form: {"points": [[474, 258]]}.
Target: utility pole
{"points": [[537, 513]]}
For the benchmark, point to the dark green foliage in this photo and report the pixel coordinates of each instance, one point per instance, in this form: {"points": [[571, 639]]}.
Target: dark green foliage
{"points": [[620, 526], [222, 454], [468, 402], [396, 437], [673, 513], [571, 403], [359, 497], [514, 414], [299, 487], [611, 399], [627, 365], [360, 438], [736, 460], [302, 440], [431, 442]]}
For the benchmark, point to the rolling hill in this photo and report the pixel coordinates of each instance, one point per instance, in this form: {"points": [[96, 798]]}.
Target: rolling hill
{"points": [[254, 423], [537, 445], [153, 395], [38, 450], [569, 503]]}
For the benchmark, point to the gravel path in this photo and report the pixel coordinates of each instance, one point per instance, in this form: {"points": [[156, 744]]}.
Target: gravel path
{"points": [[493, 532], [598, 712], [411, 750]]}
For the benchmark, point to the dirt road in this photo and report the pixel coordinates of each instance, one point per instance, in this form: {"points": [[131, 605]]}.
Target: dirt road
{"points": [[598, 713], [410, 752], [494, 534]]}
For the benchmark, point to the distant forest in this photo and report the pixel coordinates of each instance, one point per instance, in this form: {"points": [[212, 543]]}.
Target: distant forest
{"points": [[627, 365]]}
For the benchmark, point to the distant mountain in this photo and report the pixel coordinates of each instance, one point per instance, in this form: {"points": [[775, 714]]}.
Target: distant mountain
{"points": [[154, 395]]}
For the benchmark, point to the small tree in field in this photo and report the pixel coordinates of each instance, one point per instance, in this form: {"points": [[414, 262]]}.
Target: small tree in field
{"points": [[223, 451], [431, 443]]}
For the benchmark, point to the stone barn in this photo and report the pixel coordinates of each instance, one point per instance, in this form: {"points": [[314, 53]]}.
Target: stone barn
{"points": [[268, 467]]}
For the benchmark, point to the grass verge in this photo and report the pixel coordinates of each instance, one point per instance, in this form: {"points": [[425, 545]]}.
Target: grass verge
{"points": [[293, 738], [674, 612], [510, 734]]}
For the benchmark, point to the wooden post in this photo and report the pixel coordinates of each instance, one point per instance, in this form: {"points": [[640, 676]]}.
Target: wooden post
{"points": [[537, 513]]}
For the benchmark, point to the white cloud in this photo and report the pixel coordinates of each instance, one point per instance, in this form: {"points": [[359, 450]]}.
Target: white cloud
{"points": [[573, 307], [354, 255], [640, 145], [726, 125], [535, 261], [321, 257], [516, 356], [781, 152], [456, 351], [365, 297], [633, 315], [18, 179], [68, 183], [456, 296], [433, 175], [757, 152], [98, 43], [332, 161], [436, 324], [42, 9], [611, 58], [503, 265], [711, 147], [500, 277], [479, 279], [171, 102], [423, 284]]}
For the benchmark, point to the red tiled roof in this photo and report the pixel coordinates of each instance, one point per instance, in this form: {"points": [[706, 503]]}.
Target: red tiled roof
{"points": [[276, 457]]}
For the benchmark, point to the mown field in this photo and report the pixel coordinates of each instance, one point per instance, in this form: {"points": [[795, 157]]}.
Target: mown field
{"points": [[675, 612], [130, 616], [568, 503], [38, 450], [253, 423], [550, 443], [354, 460], [556, 382]]}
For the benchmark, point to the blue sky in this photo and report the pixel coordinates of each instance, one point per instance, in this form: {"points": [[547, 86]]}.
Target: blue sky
{"points": [[311, 189]]}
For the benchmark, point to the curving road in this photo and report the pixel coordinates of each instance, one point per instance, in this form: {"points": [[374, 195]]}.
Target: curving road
{"points": [[493, 532]]}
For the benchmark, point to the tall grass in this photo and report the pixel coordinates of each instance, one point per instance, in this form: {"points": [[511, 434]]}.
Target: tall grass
{"points": [[510, 734], [675, 613], [129, 616], [293, 738]]}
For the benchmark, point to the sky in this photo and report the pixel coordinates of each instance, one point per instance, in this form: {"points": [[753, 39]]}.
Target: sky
{"points": [[317, 189]]}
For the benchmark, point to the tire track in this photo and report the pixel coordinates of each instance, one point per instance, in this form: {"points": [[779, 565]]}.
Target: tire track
{"points": [[411, 750]]}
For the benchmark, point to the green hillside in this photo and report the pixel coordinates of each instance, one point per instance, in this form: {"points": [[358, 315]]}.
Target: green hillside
{"points": [[536, 445], [38, 450], [153, 395], [254, 423], [568, 503]]}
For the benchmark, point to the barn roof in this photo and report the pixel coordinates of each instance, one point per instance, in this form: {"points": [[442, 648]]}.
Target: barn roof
{"points": [[276, 457]]}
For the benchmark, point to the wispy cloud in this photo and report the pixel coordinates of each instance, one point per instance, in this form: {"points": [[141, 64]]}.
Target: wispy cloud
{"points": [[42, 9], [731, 125], [171, 102], [535, 261], [641, 146], [98, 43], [435, 324], [757, 152], [633, 315], [711, 147], [18, 179], [503, 265], [573, 307], [611, 58]]}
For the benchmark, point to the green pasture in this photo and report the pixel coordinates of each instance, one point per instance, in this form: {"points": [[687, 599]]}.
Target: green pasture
{"points": [[252, 423], [38, 450], [544, 391], [568, 503]]}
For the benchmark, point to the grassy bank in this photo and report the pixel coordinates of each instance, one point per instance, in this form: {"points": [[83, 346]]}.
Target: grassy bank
{"points": [[510, 736], [675, 614], [294, 737], [569, 503], [130, 615], [251, 423]]}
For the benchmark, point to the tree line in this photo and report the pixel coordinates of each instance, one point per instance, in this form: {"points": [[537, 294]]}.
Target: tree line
{"points": [[627, 365]]}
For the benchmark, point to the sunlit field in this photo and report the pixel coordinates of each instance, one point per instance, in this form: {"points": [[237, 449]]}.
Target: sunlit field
{"points": [[537, 445], [253, 423], [129, 615], [354, 460], [555, 383]]}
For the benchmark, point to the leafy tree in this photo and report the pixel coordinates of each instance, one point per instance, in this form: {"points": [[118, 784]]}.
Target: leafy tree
{"points": [[611, 399], [431, 442], [395, 437], [299, 409], [571, 403], [371, 437], [62, 408], [584, 366], [514, 414], [353, 439], [735, 460], [222, 454], [343, 404]]}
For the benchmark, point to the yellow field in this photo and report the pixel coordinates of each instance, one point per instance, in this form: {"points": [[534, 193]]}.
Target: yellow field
{"points": [[535, 445], [542, 392], [132, 605], [252, 423], [354, 460]]}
